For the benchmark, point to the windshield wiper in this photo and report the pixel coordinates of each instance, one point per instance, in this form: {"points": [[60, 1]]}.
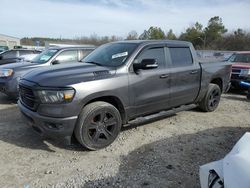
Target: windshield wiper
{"points": [[93, 62]]}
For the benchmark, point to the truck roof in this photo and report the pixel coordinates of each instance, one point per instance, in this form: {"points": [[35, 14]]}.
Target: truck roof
{"points": [[171, 42]]}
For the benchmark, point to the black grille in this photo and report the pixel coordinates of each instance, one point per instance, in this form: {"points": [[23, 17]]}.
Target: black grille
{"points": [[235, 76], [27, 97]]}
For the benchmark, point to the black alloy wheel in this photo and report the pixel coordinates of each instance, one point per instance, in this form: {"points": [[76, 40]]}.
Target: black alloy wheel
{"points": [[211, 99], [98, 125]]}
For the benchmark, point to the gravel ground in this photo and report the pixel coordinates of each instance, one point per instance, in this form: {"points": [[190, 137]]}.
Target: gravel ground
{"points": [[162, 153]]}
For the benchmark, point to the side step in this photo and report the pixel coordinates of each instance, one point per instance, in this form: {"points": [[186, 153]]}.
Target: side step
{"points": [[161, 114]]}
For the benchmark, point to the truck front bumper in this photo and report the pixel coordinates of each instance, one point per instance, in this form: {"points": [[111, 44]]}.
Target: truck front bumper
{"points": [[49, 127]]}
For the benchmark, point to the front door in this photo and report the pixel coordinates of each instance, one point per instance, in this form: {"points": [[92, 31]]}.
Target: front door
{"points": [[150, 89]]}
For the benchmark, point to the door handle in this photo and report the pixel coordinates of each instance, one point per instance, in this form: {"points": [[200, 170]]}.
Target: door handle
{"points": [[164, 76], [193, 72]]}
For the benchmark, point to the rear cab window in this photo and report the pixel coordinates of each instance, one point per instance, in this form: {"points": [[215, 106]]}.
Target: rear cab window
{"points": [[181, 56]]}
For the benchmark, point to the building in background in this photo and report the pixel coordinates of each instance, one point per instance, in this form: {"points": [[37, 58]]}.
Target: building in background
{"points": [[9, 41]]}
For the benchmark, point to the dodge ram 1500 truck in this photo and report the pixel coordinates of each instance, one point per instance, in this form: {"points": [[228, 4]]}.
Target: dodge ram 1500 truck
{"points": [[116, 83], [10, 74]]}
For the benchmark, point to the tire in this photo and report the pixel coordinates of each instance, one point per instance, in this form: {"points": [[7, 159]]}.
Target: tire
{"points": [[212, 98], [248, 96], [98, 125]]}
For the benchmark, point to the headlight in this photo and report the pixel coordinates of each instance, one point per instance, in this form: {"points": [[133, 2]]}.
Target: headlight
{"points": [[56, 96], [245, 72], [6, 72]]}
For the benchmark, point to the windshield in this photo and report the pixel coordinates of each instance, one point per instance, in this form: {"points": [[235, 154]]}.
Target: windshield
{"points": [[241, 58], [111, 55], [45, 56]]}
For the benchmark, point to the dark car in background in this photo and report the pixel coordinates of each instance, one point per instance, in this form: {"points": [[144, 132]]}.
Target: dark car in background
{"points": [[10, 74], [240, 69], [15, 55]]}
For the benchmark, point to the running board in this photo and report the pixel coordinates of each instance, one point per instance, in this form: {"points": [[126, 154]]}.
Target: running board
{"points": [[161, 114]]}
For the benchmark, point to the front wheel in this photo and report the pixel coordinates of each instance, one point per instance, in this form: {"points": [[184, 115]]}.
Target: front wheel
{"points": [[212, 98], [98, 125]]}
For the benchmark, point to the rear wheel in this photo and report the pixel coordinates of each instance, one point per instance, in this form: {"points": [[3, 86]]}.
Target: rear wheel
{"points": [[212, 98], [98, 125]]}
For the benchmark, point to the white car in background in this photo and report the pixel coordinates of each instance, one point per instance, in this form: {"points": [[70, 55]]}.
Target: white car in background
{"points": [[231, 172]]}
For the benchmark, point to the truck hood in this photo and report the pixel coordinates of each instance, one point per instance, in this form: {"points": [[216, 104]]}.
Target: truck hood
{"points": [[20, 66], [241, 65], [65, 75]]}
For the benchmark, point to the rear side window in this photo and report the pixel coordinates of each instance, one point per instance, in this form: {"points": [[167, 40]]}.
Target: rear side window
{"points": [[84, 53], [153, 53], [68, 56], [181, 56]]}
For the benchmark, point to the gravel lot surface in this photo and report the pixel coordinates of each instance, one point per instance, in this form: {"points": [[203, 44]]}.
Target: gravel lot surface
{"points": [[162, 153]]}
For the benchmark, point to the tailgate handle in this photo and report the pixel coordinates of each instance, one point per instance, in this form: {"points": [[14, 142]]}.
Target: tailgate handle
{"points": [[164, 76], [193, 72]]}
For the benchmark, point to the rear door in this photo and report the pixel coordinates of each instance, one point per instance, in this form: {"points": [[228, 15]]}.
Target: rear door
{"points": [[185, 76], [149, 89]]}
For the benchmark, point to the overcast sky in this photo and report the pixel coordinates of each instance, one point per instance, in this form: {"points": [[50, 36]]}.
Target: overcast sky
{"points": [[75, 18]]}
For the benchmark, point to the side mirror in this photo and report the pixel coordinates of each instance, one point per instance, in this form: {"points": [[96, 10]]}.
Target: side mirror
{"points": [[146, 64], [55, 62]]}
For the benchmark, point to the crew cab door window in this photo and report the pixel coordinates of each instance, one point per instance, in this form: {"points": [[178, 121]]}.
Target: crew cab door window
{"points": [[156, 53], [67, 56], [181, 56]]}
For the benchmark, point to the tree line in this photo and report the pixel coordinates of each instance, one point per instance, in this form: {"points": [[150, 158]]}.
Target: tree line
{"points": [[214, 36]]}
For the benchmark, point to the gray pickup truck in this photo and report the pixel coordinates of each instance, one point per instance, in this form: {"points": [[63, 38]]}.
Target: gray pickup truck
{"points": [[10, 74], [116, 83]]}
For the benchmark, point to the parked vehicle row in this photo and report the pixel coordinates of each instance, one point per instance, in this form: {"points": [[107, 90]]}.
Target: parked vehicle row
{"points": [[116, 83], [10, 74]]}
